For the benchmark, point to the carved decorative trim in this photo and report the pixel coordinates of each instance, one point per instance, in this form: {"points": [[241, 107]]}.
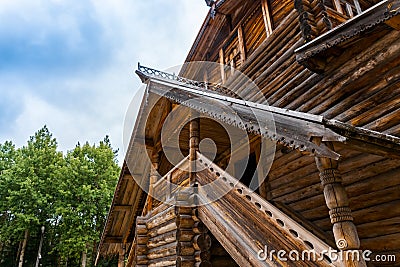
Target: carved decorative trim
{"points": [[310, 15], [330, 176], [340, 214], [372, 17]]}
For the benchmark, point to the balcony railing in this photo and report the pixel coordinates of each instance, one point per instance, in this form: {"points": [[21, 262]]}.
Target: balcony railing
{"points": [[347, 8]]}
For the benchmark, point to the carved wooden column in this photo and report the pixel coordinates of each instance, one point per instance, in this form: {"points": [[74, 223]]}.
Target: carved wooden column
{"points": [[344, 230], [194, 140]]}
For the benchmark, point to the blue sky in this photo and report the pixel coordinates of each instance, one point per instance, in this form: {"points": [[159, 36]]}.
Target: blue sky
{"points": [[70, 64]]}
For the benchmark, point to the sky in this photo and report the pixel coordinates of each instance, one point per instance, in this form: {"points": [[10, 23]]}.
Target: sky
{"points": [[69, 64]]}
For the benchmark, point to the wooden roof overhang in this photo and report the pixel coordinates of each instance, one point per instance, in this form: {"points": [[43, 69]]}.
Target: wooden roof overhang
{"points": [[292, 129], [215, 28], [129, 196], [321, 54]]}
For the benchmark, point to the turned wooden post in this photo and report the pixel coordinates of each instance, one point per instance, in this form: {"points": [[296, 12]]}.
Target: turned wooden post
{"points": [[194, 140], [344, 230]]}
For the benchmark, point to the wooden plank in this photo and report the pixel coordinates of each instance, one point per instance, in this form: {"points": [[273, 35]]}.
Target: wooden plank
{"points": [[122, 207], [241, 44], [222, 65], [394, 23], [267, 17], [379, 228], [338, 6], [113, 239], [386, 242], [357, 6]]}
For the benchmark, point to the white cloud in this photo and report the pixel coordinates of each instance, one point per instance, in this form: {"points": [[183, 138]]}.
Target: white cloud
{"points": [[91, 102]]}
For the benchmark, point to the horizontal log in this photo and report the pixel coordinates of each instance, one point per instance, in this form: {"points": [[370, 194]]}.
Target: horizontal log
{"points": [[381, 243], [202, 256], [185, 261], [202, 242], [199, 228], [163, 262], [160, 218], [163, 228], [185, 249], [141, 250], [162, 251], [162, 239], [141, 260], [364, 99], [183, 210], [184, 221], [185, 234], [141, 239], [378, 228], [349, 73], [379, 212], [141, 229]]}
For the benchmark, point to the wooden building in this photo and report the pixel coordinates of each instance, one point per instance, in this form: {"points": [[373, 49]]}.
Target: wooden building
{"points": [[330, 72]]}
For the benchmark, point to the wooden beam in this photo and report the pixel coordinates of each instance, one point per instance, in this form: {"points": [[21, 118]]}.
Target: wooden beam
{"points": [[154, 177], [241, 44], [122, 207], [338, 6], [127, 228], [394, 23], [113, 239], [222, 63], [194, 140], [358, 7]]}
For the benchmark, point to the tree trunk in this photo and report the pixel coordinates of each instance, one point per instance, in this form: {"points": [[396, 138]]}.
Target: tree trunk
{"points": [[21, 257], [94, 249], [1, 250], [84, 256], [19, 252]]}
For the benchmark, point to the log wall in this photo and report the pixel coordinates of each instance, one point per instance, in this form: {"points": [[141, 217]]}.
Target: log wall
{"points": [[362, 91]]}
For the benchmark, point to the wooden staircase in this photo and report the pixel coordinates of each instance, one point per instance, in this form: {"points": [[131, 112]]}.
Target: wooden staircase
{"points": [[245, 224]]}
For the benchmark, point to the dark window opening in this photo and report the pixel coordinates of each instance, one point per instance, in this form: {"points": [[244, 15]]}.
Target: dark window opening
{"points": [[250, 176]]}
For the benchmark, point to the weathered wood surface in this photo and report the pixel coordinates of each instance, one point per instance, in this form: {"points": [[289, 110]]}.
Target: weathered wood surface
{"points": [[336, 198], [348, 91], [240, 215]]}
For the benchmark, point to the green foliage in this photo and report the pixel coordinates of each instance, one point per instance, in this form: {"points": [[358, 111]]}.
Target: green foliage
{"points": [[29, 197], [85, 191], [69, 195]]}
